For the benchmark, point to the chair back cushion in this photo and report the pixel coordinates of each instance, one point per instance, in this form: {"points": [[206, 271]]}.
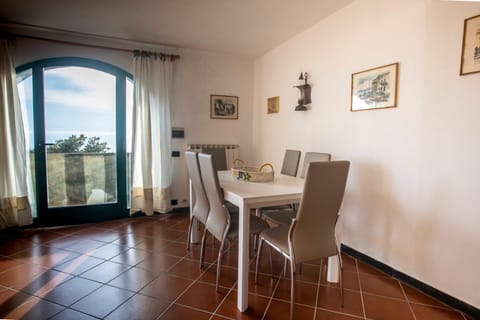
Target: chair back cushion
{"points": [[290, 162], [200, 206], [219, 157], [311, 157], [314, 233], [218, 219]]}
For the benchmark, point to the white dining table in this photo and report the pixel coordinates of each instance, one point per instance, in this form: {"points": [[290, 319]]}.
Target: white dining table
{"points": [[255, 195]]}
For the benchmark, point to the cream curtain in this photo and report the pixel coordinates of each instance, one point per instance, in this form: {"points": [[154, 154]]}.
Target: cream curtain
{"points": [[151, 144], [14, 204]]}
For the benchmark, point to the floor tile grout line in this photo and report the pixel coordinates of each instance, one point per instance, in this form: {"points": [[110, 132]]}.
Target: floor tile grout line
{"points": [[174, 227], [31, 297], [138, 291], [402, 300], [184, 306], [342, 313], [186, 289], [318, 289], [408, 301], [361, 291], [271, 299], [224, 298]]}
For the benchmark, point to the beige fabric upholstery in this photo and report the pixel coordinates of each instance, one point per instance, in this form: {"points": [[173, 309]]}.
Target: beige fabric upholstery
{"points": [[311, 235], [313, 157], [314, 233], [290, 162], [282, 216], [219, 222], [289, 168], [219, 157], [285, 215], [200, 206]]}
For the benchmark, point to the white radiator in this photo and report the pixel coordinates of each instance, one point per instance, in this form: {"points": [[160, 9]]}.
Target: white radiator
{"points": [[180, 186], [225, 158]]}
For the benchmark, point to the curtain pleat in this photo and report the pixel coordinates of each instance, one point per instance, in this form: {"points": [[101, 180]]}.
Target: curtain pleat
{"points": [[14, 204], [152, 133]]}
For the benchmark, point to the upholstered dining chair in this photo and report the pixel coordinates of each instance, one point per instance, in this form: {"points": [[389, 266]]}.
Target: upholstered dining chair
{"points": [[220, 223], [219, 157], [200, 206], [313, 157], [285, 216], [311, 235], [290, 162]]}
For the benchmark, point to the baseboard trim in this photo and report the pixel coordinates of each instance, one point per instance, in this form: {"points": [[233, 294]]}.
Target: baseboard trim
{"points": [[447, 299]]}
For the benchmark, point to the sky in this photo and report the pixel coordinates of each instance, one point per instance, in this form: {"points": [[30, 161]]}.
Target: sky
{"points": [[77, 101]]}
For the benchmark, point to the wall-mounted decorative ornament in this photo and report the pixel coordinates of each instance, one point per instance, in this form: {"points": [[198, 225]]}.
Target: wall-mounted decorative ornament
{"points": [[305, 91]]}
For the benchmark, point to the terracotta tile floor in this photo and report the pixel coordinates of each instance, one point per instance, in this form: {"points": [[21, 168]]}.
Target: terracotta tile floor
{"points": [[138, 268]]}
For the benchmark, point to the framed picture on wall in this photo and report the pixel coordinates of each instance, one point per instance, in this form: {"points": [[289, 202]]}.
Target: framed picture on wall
{"points": [[223, 107], [273, 105], [471, 46], [374, 88]]}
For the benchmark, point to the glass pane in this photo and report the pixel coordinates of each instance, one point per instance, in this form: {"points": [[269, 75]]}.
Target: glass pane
{"points": [[128, 119], [25, 92], [80, 135]]}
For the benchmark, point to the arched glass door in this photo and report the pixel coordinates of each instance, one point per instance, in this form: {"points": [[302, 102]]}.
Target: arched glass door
{"points": [[76, 111]]}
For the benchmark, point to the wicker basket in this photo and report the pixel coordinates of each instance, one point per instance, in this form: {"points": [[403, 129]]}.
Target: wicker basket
{"points": [[252, 174]]}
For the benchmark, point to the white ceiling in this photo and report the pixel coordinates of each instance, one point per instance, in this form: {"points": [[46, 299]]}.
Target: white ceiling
{"points": [[244, 27]]}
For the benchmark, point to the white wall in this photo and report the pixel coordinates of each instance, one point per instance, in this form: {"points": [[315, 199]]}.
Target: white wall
{"points": [[197, 75], [414, 178]]}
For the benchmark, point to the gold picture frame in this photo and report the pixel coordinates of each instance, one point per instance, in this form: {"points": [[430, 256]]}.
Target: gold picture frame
{"points": [[273, 105], [470, 62], [374, 88], [223, 107]]}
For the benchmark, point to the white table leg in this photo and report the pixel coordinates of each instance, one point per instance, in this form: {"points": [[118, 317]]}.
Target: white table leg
{"points": [[333, 269], [243, 257]]}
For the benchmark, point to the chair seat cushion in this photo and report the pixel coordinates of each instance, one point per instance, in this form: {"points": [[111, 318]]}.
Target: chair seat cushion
{"points": [[280, 217], [276, 208], [257, 225], [278, 237]]}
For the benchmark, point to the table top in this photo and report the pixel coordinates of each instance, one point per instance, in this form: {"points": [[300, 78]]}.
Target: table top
{"points": [[282, 187]]}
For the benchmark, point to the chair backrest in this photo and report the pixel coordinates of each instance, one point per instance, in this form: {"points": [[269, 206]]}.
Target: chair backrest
{"points": [[218, 220], [313, 234], [311, 157], [200, 206], [219, 157], [290, 162]]}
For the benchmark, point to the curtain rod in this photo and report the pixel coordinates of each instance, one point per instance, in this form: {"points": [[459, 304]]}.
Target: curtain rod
{"points": [[170, 56]]}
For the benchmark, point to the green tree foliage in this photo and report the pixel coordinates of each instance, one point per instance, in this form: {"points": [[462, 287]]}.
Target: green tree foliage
{"points": [[94, 145], [77, 144]]}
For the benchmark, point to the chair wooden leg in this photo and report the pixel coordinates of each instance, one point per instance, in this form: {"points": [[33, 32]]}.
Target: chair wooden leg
{"points": [[292, 287], [257, 264], [202, 248]]}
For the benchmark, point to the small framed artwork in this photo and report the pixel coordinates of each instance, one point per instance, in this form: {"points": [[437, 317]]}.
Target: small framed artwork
{"points": [[273, 105], [374, 88], [471, 46], [223, 107]]}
